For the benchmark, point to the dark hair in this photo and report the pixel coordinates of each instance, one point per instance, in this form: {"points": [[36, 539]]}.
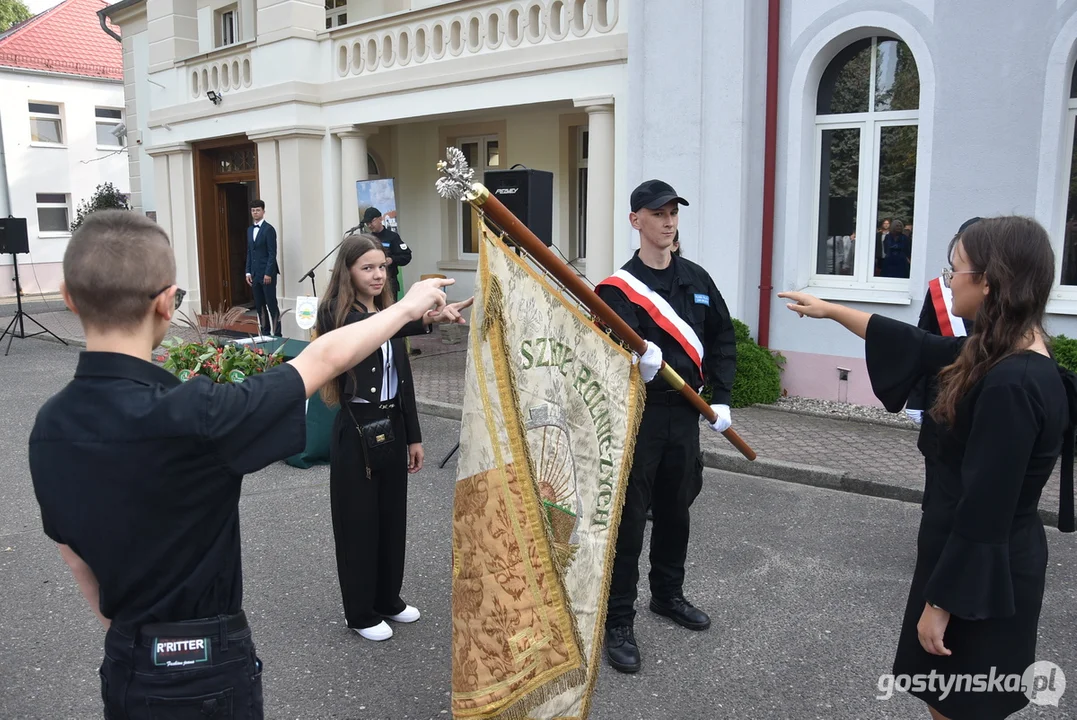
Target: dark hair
{"points": [[1014, 255], [340, 298], [676, 241], [113, 264], [258, 204]]}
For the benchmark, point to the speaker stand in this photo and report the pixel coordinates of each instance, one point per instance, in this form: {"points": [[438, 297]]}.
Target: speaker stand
{"points": [[20, 315]]}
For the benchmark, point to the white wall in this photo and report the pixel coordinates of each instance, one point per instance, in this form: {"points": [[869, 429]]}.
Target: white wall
{"points": [[75, 169]]}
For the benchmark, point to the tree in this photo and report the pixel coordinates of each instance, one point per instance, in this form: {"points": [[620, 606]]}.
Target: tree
{"points": [[11, 12], [105, 197]]}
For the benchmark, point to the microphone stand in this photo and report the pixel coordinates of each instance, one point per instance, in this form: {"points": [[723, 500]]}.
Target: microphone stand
{"points": [[310, 273]]}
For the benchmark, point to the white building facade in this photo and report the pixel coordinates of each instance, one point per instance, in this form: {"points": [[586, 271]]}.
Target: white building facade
{"points": [[58, 145], [800, 130]]}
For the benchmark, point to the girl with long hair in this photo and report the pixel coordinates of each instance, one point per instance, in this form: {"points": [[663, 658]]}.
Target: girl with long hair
{"points": [[1005, 411], [376, 442]]}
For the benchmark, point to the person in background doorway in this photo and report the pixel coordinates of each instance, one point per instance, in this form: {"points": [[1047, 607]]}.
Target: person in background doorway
{"points": [[262, 270]]}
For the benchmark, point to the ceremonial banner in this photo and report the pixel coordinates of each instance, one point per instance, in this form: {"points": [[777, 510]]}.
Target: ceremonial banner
{"points": [[551, 410]]}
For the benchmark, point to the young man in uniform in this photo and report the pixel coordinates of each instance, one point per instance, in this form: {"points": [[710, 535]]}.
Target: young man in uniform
{"points": [[138, 475], [397, 253], [673, 304]]}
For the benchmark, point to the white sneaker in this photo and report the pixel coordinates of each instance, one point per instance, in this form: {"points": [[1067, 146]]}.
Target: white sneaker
{"points": [[379, 632], [408, 615]]}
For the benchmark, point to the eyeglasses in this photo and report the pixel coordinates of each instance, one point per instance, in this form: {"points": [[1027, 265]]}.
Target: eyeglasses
{"points": [[180, 294], [948, 274]]}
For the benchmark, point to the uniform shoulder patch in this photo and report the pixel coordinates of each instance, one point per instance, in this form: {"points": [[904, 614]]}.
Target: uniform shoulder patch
{"points": [[703, 299], [403, 246]]}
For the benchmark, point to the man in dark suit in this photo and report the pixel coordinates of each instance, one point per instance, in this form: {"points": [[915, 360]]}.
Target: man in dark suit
{"points": [[262, 269]]}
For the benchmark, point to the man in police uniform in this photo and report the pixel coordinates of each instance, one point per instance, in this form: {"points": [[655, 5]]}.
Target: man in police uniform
{"points": [[138, 475], [674, 305], [397, 253]]}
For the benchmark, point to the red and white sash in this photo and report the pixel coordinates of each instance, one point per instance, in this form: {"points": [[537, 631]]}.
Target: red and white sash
{"points": [[660, 311], [943, 300]]}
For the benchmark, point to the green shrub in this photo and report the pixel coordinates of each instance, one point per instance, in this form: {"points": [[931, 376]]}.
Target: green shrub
{"points": [[106, 197], [1065, 350], [758, 380], [742, 331]]}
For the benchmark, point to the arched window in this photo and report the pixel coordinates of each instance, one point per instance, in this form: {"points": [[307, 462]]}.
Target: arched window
{"points": [[867, 112], [372, 167], [1069, 242]]}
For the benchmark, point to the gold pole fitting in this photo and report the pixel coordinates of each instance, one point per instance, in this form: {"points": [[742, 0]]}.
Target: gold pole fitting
{"points": [[670, 376]]}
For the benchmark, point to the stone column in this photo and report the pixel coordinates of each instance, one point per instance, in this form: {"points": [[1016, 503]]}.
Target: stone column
{"points": [[600, 184], [173, 170], [290, 182], [353, 167]]}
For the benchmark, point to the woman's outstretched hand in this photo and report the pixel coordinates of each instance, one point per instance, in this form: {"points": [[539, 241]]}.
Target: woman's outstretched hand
{"points": [[805, 304]]}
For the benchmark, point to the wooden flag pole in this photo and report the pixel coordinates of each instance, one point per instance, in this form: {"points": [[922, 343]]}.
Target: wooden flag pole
{"points": [[456, 184]]}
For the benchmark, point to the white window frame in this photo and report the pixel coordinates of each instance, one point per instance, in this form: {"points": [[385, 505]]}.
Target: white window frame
{"points": [[225, 22], [110, 123], [58, 116], [870, 124], [333, 16], [479, 168], [1065, 293], [66, 205], [581, 193]]}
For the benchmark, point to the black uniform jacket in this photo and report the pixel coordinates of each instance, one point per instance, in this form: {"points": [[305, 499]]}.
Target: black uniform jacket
{"points": [[696, 299], [365, 379]]}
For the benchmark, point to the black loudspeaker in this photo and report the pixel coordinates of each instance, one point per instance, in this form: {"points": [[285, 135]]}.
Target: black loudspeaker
{"points": [[528, 194], [13, 238]]}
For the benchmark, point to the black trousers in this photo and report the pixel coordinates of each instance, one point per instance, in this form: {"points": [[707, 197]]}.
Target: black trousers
{"points": [[369, 519], [204, 669], [667, 475], [265, 304]]}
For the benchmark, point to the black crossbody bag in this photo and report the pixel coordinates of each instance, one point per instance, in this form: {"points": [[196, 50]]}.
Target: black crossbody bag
{"points": [[377, 440]]}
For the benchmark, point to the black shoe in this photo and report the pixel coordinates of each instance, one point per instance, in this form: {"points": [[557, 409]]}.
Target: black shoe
{"points": [[681, 612], [621, 649]]}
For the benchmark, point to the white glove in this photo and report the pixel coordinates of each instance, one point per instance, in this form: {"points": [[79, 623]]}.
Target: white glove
{"points": [[917, 416], [651, 362], [724, 421]]}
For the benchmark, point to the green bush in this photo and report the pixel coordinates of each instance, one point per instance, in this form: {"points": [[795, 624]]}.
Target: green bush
{"points": [[742, 331], [758, 380], [106, 197], [1065, 350]]}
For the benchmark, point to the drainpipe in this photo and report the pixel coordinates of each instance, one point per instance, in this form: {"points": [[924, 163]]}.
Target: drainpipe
{"points": [[769, 157], [103, 19]]}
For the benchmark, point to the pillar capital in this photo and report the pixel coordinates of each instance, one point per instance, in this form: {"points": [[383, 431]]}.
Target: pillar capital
{"points": [[169, 149], [595, 105], [285, 133], [354, 131]]}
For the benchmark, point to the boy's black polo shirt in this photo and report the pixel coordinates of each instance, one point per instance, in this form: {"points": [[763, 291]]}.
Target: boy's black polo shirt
{"points": [[140, 475]]}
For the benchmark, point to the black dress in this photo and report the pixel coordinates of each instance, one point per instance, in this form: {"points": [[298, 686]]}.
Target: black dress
{"points": [[981, 550]]}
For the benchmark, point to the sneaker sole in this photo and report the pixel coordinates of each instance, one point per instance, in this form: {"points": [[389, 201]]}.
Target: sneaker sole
{"points": [[659, 610]]}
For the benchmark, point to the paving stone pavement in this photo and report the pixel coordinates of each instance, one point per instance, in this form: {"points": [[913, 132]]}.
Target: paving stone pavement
{"points": [[852, 455]]}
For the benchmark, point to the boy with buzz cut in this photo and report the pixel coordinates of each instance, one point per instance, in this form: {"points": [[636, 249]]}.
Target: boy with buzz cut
{"points": [[138, 475]]}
